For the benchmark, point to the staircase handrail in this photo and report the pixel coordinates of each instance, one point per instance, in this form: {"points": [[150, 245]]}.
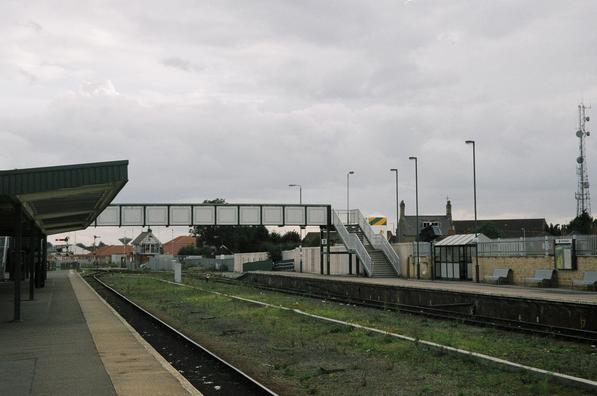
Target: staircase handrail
{"points": [[378, 241], [353, 243]]}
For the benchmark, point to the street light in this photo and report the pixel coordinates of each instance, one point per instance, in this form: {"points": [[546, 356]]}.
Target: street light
{"points": [[348, 196], [300, 228], [417, 211], [397, 205], [94, 253], [300, 191], [475, 203]]}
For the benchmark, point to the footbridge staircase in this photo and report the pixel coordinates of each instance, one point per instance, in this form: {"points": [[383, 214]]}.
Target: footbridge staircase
{"points": [[374, 251]]}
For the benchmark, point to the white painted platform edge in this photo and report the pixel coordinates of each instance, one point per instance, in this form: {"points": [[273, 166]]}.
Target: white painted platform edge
{"points": [[179, 377]]}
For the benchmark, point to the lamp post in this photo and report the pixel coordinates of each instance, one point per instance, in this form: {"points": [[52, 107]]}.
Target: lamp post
{"points": [[417, 211], [397, 205], [300, 228], [475, 203], [348, 196], [94, 254]]}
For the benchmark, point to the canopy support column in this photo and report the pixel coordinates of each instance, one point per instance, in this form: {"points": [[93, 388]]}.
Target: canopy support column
{"points": [[18, 262], [31, 260]]}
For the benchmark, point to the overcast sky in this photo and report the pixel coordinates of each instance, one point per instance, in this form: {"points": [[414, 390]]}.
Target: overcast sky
{"points": [[237, 99]]}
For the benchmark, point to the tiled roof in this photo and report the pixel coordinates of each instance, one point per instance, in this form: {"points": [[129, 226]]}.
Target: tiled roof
{"points": [[174, 246], [112, 249], [508, 228]]}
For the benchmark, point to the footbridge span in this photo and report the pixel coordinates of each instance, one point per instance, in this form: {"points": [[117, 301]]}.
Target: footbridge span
{"points": [[373, 251]]}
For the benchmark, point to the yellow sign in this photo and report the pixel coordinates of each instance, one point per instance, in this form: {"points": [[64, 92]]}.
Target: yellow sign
{"points": [[378, 221]]}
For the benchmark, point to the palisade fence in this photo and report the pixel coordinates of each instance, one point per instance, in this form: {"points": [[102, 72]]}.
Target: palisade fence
{"points": [[424, 249], [586, 245]]}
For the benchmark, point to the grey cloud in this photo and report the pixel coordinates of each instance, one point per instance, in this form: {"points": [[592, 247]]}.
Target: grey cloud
{"points": [[278, 92], [180, 63]]}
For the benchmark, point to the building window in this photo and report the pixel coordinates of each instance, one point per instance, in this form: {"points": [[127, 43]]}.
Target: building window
{"points": [[430, 223]]}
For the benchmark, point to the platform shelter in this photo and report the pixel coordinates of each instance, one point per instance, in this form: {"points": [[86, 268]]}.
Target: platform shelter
{"points": [[38, 202]]}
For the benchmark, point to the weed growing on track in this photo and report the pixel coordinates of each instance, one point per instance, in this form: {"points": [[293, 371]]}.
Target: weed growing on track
{"points": [[301, 355]]}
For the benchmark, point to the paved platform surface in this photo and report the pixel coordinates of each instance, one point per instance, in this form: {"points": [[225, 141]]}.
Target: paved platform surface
{"points": [[549, 294], [70, 343]]}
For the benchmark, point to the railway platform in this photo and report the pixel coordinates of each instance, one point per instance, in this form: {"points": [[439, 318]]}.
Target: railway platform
{"points": [[536, 293], [70, 342], [561, 311]]}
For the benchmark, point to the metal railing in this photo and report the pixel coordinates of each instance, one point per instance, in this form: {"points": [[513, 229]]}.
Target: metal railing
{"points": [[353, 243], [378, 242], [586, 245]]}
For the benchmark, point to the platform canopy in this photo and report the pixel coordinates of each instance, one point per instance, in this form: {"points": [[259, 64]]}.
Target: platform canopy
{"points": [[59, 199], [462, 240]]}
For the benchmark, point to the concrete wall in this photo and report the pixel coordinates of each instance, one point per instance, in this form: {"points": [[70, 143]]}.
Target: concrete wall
{"points": [[311, 260], [241, 258], [524, 267], [408, 260]]}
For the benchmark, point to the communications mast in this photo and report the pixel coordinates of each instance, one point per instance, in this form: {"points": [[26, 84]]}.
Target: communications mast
{"points": [[583, 197]]}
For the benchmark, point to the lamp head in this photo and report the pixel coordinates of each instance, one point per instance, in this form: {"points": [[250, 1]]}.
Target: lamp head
{"points": [[292, 185], [412, 158], [393, 170], [470, 142], [351, 172]]}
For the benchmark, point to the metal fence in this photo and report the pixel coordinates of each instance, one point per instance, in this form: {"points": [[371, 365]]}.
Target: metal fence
{"points": [[586, 245]]}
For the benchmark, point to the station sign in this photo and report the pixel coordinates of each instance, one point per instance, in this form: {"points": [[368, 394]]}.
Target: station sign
{"points": [[565, 254]]}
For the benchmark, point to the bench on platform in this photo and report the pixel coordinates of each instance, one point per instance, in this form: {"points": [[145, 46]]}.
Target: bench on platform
{"points": [[589, 280], [500, 276], [542, 278]]}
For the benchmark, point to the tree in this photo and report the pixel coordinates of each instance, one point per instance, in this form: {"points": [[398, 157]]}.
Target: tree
{"points": [[555, 229], [291, 237], [238, 239], [489, 230], [125, 240], [189, 250], [312, 239], [581, 224]]}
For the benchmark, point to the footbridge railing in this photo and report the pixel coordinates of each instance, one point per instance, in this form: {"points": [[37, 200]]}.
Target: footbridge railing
{"points": [[353, 243], [355, 217], [378, 241]]}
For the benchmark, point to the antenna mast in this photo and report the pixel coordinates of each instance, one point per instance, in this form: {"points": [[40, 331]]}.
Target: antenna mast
{"points": [[583, 197]]}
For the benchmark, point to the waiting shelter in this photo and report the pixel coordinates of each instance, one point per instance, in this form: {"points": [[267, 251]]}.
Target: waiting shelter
{"points": [[38, 202], [453, 257]]}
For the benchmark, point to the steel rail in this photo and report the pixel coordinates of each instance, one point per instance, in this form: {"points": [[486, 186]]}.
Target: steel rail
{"points": [[185, 337]]}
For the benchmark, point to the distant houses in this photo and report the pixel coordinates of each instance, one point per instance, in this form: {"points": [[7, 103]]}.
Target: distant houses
{"points": [[119, 254], [140, 250], [407, 225], [145, 246], [495, 228], [505, 228], [174, 246]]}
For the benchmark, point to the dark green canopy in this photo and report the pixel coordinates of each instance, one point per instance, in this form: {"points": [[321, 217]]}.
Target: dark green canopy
{"points": [[59, 198]]}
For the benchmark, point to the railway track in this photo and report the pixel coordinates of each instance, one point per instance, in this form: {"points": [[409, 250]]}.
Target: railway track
{"points": [[571, 334], [209, 373]]}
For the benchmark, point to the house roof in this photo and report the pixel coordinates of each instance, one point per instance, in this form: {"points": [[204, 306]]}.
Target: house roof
{"points": [[508, 228], [174, 246], [462, 239], [408, 224], [109, 250], [142, 236]]}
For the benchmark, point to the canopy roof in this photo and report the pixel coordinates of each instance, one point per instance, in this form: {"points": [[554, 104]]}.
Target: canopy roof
{"points": [[59, 198], [462, 239]]}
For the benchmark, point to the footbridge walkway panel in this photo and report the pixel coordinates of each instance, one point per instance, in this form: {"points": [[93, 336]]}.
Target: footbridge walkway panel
{"points": [[142, 215]]}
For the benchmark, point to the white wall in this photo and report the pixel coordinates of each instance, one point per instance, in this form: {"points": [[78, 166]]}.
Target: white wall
{"points": [[241, 258], [311, 260]]}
